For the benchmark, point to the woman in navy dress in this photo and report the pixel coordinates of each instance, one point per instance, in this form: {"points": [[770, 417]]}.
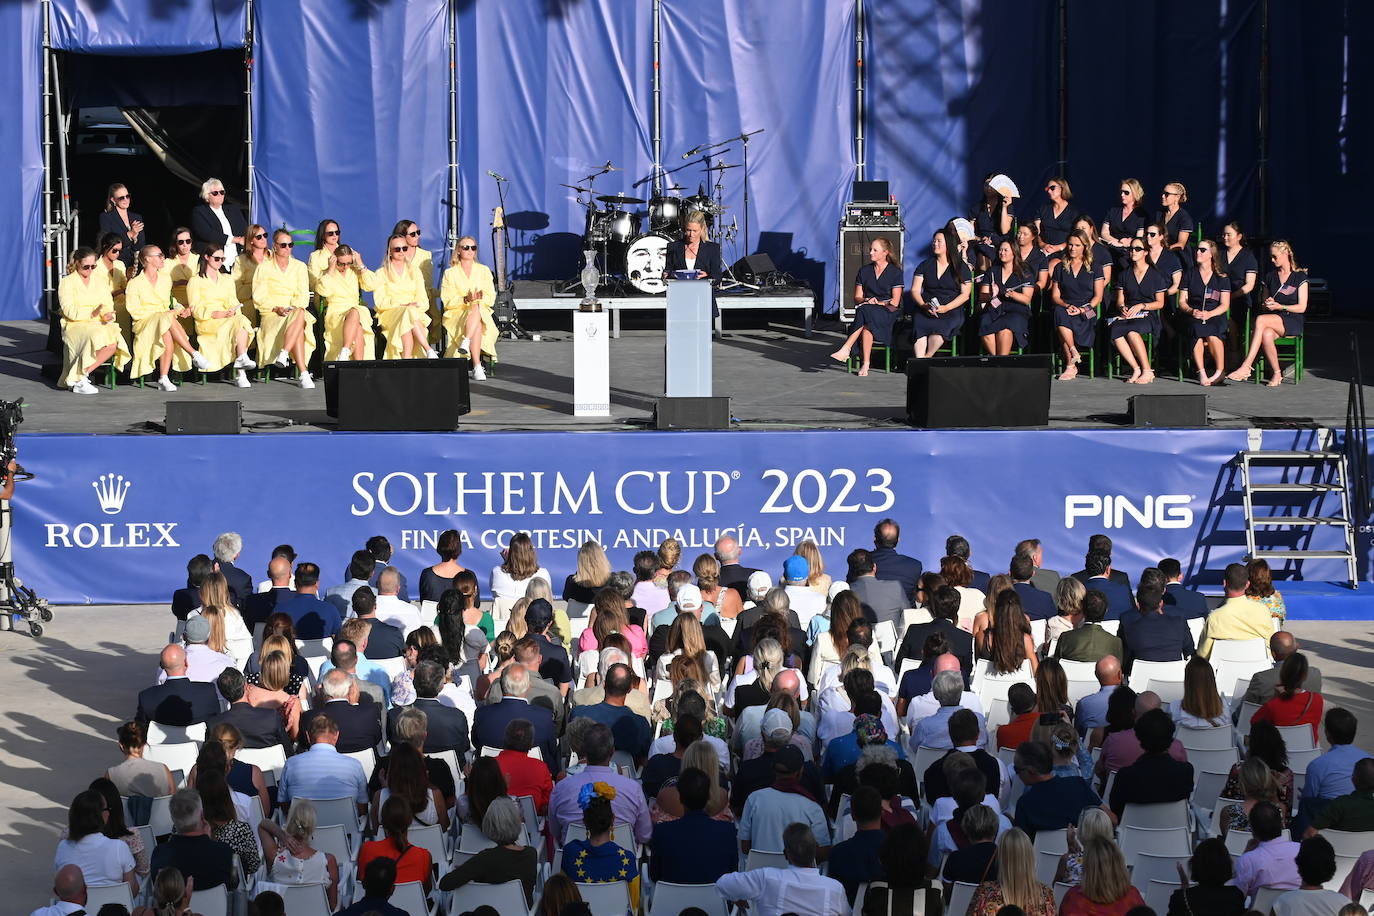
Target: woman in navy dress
{"points": [[940, 288], [1165, 261], [1237, 261], [1056, 219], [1123, 222], [1281, 312], [1077, 292], [992, 216], [1101, 254], [1206, 298], [1178, 223], [1006, 290], [878, 294], [1028, 249], [1139, 300]]}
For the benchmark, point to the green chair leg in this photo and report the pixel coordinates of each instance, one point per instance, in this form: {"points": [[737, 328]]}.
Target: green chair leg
{"points": [[854, 363]]}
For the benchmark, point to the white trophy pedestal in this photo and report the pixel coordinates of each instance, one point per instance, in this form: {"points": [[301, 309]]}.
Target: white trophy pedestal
{"points": [[591, 364]]}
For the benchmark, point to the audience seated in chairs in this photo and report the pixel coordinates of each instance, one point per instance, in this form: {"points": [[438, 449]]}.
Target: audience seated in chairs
{"points": [[695, 848], [191, 850], [407, 779], [1156, 776], [379, 883], [135, 775], [103, 860], [508, 860], [1049, 802], [768, 810], [298, 862], [412, 862], [525, 775], [629, 804], [1105, 889], [1270, 857], [1090, 642], [322, 772], [799, 888], [1016, 884]]}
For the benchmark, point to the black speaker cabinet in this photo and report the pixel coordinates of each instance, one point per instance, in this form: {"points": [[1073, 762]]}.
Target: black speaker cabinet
{"points": [[397, 394], [1173, 410], [970, 391], [752, 267], [204, 418], [692, 413]]}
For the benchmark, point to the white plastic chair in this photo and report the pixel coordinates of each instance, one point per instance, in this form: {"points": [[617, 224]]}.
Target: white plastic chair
{"points": [[1046, 865], [1157, 894], [1166, 841], [671, 899], [341, 811], [392, 666], [271, 760], [1150, 868], [960, 896], [1351, 843], [1112, 626], [1265, 897], [450, 757], [99, 895], [368, 758], [1216, 761], [1297, 737], [431, 837], [1298, 760], [473, 840], [1078, 689], [609, 899], [333, 839], [1239, 650], [1055, 841], [507, 898], [174, 756], [1195, 625], [304, 899], [1079, 671], [1060, 890], [1207, 786], [1169, 692], [925, 756], [175, 734], [1142, 672], [1238, 672], [992, 688], [623, 835], [1214, 826], [1205, 739], [759, 858], [1160, 816], [1236, 841], [408, 896], [1247, 712], [211, 902]]}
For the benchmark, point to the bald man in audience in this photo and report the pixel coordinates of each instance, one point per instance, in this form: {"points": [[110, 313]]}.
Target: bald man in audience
{"points": [[390, 608], [258, 606], [927, 705], [1123, 748], [1092, 709], [1261, 690], [178, 700], [69, 887], [747, 727]]}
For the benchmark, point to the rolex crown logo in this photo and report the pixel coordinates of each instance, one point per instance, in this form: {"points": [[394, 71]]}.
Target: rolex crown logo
{"points": [[110, 491]]}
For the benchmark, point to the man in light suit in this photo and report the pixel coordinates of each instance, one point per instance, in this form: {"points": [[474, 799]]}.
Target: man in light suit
{"points": [[882, 599]]}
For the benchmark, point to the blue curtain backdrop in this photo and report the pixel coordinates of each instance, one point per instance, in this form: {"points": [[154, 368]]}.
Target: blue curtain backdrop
{"points": [[144, 28], [351, 118], [731, 66], [21, 149], [548, 93]]}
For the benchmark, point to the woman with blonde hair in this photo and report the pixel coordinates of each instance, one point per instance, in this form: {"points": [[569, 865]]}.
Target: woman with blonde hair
{"points": [[301, 863], [1105, 889], [90, 327], [255, 253], [228, 633], [700, 755], [159, 338], [1016, 884], [271, 693], [816, 579], [743, 692], [877, 301], [1178, 222], [347, 320], [1280, 313], [170, 895], [1257, 784], [686, 639], [519, 565], [1068, 598], [669, 555], [402, 304], [221, 329], [1123, 222], [1092, 823], [726, 601], [504, 648], [591, 575], [539, 587], [468, 292], [1202, 705], [281, 292]]}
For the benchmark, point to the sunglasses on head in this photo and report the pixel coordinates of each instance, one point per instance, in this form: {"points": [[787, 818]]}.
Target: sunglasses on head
{"points": [[468, 247]]}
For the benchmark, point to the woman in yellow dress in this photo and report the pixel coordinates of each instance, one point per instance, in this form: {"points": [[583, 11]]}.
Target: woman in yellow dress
{"points": [[182, 265], [281, 291], [468, 293], [347, 321], [90, 331], [402, 305], [327, 236], [254, 253], [423, 261], [158, 337], [111, 269], [221, 330]]}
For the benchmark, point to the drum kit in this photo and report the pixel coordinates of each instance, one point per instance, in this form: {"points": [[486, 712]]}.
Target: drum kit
{"points": [[633, 242]]}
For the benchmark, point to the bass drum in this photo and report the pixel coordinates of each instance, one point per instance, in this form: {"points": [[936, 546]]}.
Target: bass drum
{"points": [[644, 263]]}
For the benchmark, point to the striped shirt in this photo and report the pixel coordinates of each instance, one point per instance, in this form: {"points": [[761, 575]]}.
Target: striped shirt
{"points": [[322, 772]]}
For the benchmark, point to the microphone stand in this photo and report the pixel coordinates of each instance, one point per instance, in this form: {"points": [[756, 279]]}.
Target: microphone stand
{"points": [[743, 139]]}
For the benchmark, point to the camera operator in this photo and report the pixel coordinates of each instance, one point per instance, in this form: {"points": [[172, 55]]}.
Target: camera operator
{"points": [[7, 481]]}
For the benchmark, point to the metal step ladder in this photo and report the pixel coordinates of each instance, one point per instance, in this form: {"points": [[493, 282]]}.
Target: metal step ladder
{"points": [[1328, 476]]}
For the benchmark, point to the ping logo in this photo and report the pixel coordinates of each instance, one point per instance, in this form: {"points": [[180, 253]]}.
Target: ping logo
{"points": [[1168, 510], [110, 491]]}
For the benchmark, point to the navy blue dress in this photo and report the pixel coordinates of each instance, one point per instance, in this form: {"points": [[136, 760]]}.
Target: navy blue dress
{"points": [[1236, 268], [1287, 294], [944, 288], [1205, 297], [1140, 292], [1002, 312], [877, 318], [1077, 289], [1055, 229], [1037, 262], [1102, 258], [1169, 263], [1123, 228]]}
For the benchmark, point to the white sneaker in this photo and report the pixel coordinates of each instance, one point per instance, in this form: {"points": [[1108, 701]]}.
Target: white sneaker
{"points": [[245, 362], [241, 379], [307, 381], [200, 362], [478, 373], [83, 386], [165, 384], [431, 354], [463, 347], [283, 360], [345, 354]]}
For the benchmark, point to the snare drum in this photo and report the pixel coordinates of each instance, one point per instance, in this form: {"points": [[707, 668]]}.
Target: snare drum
{"points": [[644, 263]]}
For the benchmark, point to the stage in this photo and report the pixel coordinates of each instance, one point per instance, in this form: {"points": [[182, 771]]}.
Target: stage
{"points": [[775, 375]]}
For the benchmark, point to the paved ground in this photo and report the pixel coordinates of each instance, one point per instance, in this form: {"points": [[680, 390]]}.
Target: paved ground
{"points": [[775, 376], [65, 695]]}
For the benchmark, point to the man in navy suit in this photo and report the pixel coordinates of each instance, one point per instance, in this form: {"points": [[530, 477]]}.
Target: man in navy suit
{"points": [[956, 545], [891, 564], [448, 727], [227, 548], [1152, 635], [1098, 566], [358, 718], [312, 618], [1100, 543], [185, 600], [1038, 605], [695, 848], [944, 607], [259, 726], [258, 606], [489, 723], [1180, 601], [177, 700]]}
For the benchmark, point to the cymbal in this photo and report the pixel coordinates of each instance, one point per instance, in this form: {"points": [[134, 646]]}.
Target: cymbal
{"points": [[573, 187], [720, 168], [619, 199]]}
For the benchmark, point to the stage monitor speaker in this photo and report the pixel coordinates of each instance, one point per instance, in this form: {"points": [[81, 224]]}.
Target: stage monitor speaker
{"points": [[204, 418], [692, 413], [753, 268], [972, 391], [854, 245], [397, 394], [1173, 410]]}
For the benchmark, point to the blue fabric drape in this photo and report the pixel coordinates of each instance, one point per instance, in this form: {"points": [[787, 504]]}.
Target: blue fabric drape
{"points": [[147, 28], [351, 118], [21, 149]]}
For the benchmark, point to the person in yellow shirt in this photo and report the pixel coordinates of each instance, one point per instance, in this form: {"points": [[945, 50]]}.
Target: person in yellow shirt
{"points": [[1238, 617], [90, 331], [182, 265], [468, 293], [159, 337], [327, 238], [110, 269], [402, 304], [423, 261], [347, 321], [221, 330], [254, 253], [281, 291]]}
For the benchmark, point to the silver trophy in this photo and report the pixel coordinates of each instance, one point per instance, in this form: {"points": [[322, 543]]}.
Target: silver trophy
{"points": [[591, 278]]}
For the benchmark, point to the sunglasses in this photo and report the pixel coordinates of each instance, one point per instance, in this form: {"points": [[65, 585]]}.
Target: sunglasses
{"points": [[329, 232], [260, 235], [219, 193], [1137, 248], [85, 267], [122, 197], [413, 232], [1125, 193], [283, 244], [183, 241], [1053, 187], [214, 257], [468, 247], [1153, 235], [116, 250], [398, 250], [344, 263]]}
